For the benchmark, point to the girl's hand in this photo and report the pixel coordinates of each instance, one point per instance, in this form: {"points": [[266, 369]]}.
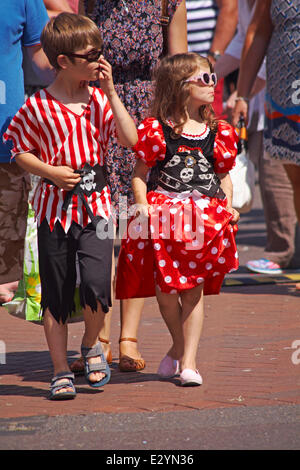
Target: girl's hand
{"points": [[235, 215], [105, 77], [142, 210], [64, 177]]}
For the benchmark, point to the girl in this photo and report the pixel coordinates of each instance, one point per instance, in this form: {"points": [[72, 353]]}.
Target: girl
{"points": [[188, 208]]}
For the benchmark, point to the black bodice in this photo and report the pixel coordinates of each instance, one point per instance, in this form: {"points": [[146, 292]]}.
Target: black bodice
{"points": [[188, 165]]}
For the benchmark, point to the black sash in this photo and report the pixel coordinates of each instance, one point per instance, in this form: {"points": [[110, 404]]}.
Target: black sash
{"points": [[92, 179]]}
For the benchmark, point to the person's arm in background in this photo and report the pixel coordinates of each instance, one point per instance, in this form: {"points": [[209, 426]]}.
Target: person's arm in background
{"points": [[40, 63], [225, 28], [35, 53], [177, 31], [256, 44], [54, 7]]}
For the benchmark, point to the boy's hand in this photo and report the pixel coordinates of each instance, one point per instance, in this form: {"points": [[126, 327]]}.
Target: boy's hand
{"points": [[235, 215], [105, 77], [64, 177]]}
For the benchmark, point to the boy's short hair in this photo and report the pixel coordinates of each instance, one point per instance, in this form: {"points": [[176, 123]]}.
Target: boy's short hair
{"points": [[67, 33]]}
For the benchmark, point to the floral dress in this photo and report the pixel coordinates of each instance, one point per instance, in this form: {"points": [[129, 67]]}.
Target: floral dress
{"points": [[188, 238], [133, 43], [282, 131]]}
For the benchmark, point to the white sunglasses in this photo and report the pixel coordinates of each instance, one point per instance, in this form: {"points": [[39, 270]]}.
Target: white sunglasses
{"points": [[205, 77]]}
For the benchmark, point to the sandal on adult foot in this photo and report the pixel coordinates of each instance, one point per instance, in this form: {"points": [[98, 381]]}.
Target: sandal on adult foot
{"points": [[78, 365], [129, 364], [190, 377], [168, 367], [102, 367], [61, 382]]}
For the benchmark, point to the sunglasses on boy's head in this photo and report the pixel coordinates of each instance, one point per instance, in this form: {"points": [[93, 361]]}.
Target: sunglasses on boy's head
{"points": [[90, 56], [205, 77]]}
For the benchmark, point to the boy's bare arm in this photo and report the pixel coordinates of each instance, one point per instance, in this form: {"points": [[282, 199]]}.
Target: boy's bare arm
{"points": [[126, 129], [62, 176]]}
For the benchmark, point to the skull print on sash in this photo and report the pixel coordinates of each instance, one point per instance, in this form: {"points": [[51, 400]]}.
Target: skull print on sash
{"points": [[88, 183]]}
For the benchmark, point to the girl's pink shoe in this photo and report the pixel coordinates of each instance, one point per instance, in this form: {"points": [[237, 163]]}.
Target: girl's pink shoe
{"points": [[168, 367], [190, 377]]}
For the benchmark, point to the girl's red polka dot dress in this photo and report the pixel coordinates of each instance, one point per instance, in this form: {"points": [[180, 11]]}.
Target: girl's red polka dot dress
{"points": [[188, 238]]}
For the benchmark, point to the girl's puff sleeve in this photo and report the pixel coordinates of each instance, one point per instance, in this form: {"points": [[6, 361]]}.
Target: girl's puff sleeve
{"points": [[151, 145], [225, 147]]}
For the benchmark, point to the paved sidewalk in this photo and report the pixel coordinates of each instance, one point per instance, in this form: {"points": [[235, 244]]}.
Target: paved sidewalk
{"points": [[249, 358]]}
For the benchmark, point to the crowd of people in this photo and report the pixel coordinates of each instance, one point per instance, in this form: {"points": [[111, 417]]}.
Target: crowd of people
{"points": [[125, 124]]}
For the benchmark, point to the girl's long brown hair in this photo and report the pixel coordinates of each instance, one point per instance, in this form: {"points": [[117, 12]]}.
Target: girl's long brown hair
{"points": [[171, 92]]}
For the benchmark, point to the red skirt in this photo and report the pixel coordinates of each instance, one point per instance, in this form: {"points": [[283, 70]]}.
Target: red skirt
{"points": [[187, 240]]}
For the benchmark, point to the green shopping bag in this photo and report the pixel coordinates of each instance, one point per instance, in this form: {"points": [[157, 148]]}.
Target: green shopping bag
{"points": [[27, 299]]}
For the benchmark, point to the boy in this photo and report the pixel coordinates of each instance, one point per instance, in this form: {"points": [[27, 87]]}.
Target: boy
{"points": [[61, 134]]}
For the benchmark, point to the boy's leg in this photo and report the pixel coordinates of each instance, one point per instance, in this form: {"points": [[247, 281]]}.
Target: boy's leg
{"points": [[95, 264], [58, 276], [170, 310], [93, 322], [57, 336], [192, 321]]}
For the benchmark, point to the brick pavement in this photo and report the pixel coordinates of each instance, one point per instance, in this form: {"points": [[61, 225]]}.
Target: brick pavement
{"points": [[245, 354]]}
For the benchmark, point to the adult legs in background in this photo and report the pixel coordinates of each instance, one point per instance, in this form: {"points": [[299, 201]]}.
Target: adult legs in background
{"points": [[283, 244], [130, 358], [293, 173], [281, 221], [14, 189]]}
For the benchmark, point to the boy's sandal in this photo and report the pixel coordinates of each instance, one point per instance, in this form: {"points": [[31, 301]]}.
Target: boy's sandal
{"points": [[129, 364], [78, 365], [101, 367], [61, 382]]}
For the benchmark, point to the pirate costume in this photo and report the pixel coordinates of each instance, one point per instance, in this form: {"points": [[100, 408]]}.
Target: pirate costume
{"points": [[188, 238], [68, 220]]}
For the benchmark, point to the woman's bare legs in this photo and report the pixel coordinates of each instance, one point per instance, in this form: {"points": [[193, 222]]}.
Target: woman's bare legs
{"points": [[130, 311]]}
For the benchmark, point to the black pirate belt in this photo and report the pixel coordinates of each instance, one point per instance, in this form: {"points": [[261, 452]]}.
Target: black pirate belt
{"points": [[92, 180], [186, 171]]}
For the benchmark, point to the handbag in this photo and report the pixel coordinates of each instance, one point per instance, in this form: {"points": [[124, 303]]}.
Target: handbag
{"points": [[164, 21], [243, 176]]}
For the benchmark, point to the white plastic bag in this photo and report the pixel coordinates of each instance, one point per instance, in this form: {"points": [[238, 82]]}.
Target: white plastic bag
{"points": [[243, 182]]}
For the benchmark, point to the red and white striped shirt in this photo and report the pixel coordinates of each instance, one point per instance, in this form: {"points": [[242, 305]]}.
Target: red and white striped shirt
{"points": [[59, 136]]}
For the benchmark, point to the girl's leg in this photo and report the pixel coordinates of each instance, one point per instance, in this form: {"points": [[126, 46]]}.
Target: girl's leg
{"points": [[170, 310], [57, 338], [192, 321]]}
